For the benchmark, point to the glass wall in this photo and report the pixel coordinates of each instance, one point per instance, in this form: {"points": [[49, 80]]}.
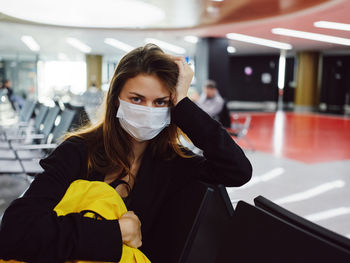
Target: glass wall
{"points": [[61, 78], [22, 72]]}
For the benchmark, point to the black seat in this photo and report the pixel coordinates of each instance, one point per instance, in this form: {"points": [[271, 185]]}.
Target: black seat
{"points": [[44, 131], [28, 134], [258, 235], [191, 225], [27, 110], [27, 156], [24, 116], [81, 117]]}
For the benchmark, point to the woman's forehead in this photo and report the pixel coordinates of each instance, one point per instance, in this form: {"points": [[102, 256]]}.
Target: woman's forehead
{"points": [[146, 85]]}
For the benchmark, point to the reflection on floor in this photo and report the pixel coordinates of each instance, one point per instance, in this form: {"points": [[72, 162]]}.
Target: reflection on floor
{"points": [[301, 162]]}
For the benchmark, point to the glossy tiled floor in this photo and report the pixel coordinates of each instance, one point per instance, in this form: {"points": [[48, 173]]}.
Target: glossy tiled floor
{"points": [[308, 138], [301, 162]]}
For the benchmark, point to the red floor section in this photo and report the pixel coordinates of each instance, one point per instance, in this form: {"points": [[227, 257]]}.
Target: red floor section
{"points": [[309, 138]]}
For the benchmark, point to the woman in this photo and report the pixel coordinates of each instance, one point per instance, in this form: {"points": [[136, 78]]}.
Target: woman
{"points": [[134, 148]]}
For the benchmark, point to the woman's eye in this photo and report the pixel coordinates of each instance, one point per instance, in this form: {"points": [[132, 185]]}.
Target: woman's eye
{"points": [[161, 103], [135, 100]]}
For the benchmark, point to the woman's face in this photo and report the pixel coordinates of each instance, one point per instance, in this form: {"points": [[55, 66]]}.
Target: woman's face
{"points": [[145, 90]]}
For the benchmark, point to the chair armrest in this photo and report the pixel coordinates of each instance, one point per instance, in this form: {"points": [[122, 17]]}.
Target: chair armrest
{"points": [[26, 137], [22, 124], [232, 132], [36, 147]]}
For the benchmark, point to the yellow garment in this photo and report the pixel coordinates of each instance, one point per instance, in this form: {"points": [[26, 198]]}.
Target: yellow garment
{"points": [[102, 199]]}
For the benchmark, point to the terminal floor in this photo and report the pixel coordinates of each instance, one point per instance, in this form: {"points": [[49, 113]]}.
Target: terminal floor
{"points": [[301, 162]]}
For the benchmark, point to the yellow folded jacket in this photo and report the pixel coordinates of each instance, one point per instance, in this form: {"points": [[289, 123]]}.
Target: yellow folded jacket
{"points": [[102, 199]]}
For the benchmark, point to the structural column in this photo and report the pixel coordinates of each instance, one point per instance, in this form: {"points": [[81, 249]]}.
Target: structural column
{"points": [[94, 70], [307, 89], [202, 63], [212, 62]]}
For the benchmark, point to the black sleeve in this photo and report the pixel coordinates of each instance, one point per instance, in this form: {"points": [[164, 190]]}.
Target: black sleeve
{"points": [[224, 161], [30, 229]]}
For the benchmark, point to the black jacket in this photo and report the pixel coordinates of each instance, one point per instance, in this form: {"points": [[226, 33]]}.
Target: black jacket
{"points": [[31, 231]]}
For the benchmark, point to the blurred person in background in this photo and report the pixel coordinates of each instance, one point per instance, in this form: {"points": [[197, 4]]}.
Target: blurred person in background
{"points": [[210, 99], [212, 103], [7, 85], [134, 148], [16, 101]]}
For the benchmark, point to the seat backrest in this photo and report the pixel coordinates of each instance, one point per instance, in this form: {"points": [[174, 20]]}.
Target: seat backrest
{"points": [[190, 225], [49, 122], [255, 235], [27, 110], [67, 117], [302, 223], [81, 117], [40, 117], [245, 127]]}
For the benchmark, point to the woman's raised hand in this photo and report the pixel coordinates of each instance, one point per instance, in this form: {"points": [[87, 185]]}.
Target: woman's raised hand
{"points": [[130, 228], [184, 80]]}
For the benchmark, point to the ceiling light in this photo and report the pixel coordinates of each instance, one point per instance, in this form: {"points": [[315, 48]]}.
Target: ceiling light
{"points": [[31, 43], [191, 39], [259, 41], [332, 25], [118, 44], [85, 13], [231, 49], [311, 36], [166, 46], [78, 44]]}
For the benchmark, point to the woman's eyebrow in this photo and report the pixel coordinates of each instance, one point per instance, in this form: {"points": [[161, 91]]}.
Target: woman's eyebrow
{"points": [[139, 95], [162, 98]]}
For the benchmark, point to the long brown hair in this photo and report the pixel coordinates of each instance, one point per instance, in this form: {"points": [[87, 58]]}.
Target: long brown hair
{"points": [[109, 146]]}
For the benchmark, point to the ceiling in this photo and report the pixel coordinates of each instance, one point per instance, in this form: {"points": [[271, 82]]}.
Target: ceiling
{"points": [[202, 18]]}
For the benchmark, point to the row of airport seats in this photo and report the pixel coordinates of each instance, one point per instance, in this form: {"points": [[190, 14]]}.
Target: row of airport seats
{"points": [[199, 224], [239, 127], [37, 132]]}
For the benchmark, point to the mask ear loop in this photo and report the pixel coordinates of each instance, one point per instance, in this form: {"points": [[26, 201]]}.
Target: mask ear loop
{"points": [[117, 107]]}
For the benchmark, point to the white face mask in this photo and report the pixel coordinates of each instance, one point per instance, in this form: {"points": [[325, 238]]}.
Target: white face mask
{"points": [[141, 122]]}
